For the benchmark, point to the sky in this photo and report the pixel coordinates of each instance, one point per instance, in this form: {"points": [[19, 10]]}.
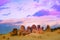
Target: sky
{"points": [[27, 11]]}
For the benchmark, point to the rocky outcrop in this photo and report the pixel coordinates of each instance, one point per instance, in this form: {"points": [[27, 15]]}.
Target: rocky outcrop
{"points": [[48, 29], [14, 32], [34, 29], [40, 29], [29, 30], [22, 30]]}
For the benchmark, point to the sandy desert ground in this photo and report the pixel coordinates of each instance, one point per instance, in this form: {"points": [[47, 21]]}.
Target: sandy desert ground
{"points": [[34, 36]]}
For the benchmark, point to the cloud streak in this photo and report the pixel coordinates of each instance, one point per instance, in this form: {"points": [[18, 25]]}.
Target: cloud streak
{"points": [[43, 20], [41, 13]]}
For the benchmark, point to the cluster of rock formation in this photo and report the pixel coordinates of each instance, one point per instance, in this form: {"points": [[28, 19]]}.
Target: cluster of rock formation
{"points": [[33, 29]]}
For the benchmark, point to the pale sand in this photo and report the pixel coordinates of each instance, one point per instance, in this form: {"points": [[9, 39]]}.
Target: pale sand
{"points": [[34, 36]]}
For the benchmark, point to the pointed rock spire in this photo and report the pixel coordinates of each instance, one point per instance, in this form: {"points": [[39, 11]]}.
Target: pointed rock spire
{"points": [[48, 29]]}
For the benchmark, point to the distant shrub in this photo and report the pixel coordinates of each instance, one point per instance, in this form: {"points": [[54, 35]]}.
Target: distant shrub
{"points": [[3, 37]]}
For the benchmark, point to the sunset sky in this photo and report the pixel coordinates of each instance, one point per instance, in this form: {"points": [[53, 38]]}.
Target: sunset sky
{"points": [[30, 11]]}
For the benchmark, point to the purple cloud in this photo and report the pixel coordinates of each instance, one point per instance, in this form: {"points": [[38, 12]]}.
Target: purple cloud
{"points": [[1, 8], [1, 20], [6, 14], [41, 13], [57, 7], [2, 2], [19, 22], [36, 1]]}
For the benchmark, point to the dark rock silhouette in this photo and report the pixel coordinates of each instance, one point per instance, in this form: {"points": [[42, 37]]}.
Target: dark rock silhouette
{"points": [[14, 32], [29, 30], [40, 29], [48, 29], [22, 30], [34, 29]]}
